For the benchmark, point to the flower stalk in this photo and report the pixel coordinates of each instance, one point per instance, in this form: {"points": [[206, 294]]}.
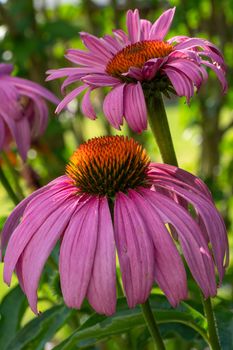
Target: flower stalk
{"points": [[8, 187], [212, 326], [152, 326], [161, 131]]}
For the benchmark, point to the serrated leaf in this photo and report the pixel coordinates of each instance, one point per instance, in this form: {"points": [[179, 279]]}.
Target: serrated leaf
{"points": [[12, 309], [99, 327], [40, 330]]}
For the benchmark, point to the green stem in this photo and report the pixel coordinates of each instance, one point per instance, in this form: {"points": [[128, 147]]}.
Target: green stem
{"points": [[160, 128], [152, 326], [212, 326], [8, 187], [14, 174]]}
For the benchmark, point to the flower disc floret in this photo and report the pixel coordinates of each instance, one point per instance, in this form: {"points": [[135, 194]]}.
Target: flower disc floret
{"points": [[136, 55], [109, 164]]}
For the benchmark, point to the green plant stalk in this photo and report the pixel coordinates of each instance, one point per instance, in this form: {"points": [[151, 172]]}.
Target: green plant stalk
{"points": [[14, 175], [152, 326], [8, 187], [161, 131], [212, 326]]}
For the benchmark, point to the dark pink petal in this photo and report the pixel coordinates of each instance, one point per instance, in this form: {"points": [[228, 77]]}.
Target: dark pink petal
{"points": [[135, 111], [2, 133], [169, 269], [145, 29], [151, 67], [135, 250], [86, 105], [77, 253], [70, 97], [70, 80], [102, 288], [40, 246], [32, 87], [220, 74], [135, 73], [6, 69], [160, 28], [22, 136], [133, 25], [100, 80], [113, 106], [96, 46], [193, 244]]}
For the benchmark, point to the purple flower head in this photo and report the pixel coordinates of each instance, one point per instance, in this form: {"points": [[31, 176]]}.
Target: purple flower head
{"points": [[135, 66], [23, 110], [113, 198]]}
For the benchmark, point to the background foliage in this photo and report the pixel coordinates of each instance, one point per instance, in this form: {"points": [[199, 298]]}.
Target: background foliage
{"points": [[34, 36]]}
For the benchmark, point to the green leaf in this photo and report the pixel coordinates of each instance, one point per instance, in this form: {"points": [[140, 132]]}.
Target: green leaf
{"points": [[12, 309], [99, 327], [224, 318], [40, 330]]}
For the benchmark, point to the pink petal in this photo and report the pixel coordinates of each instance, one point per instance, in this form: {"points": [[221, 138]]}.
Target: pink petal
{"points": [[96, 46], [86, 105], [133, 25], [160, 28], [113, 106], [22, 135], [182, 84], [145, 29], [100, 80], [169, 272], [77, 253], [121, 36], [40, 246], [220, 74], [193, 244], [135, 111], [102, 288], [70, 97], [135, 250], [2, 134]]}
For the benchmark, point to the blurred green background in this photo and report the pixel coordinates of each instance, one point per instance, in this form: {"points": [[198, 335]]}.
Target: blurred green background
{"points": [[34, 36]]}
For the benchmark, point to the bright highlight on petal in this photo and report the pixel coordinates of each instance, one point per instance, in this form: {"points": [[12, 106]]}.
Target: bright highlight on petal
{"points": [[114, 200]]}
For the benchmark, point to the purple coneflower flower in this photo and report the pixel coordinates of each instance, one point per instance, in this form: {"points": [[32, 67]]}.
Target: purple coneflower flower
{"points": [[137, 64], [23, 110], [113, 199]]}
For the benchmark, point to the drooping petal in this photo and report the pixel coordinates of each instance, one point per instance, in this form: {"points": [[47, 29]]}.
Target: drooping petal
{"points": [[133, 25], [182, 84], [160, 28], [70, 97], [22, 137], [77, 253], [169, 269], [135, 250], [135, 111], [45, 203], [212, 221], [193, 244], [102, 288], [113, 106], [86, 105], [2, 133], [40, 246], [220, 74]]}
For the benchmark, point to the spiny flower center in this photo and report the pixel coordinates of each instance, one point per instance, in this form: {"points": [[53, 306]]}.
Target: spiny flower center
{"points": [[109, 164], [136, 55]]}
